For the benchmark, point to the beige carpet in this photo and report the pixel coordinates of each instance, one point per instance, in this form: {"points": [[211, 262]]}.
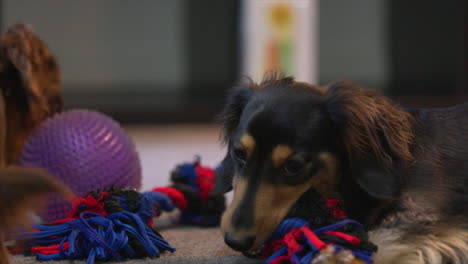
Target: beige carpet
{"points": [[194, 245]]}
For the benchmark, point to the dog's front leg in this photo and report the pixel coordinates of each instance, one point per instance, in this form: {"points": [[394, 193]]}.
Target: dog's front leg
{"points": [[331, 256], [437, 244]]}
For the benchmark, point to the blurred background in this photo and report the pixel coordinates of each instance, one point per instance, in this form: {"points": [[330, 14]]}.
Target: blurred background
{"points": [[162, 67]]}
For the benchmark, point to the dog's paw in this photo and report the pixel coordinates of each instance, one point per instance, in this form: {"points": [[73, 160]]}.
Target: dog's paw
{"points": [[331, 256]]}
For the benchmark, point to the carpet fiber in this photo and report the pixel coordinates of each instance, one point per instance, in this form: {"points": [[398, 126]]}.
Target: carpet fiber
{"points": [[194, 245]]}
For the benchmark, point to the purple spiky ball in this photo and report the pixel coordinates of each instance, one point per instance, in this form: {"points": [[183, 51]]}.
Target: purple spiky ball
{"points": [[85, 149]]}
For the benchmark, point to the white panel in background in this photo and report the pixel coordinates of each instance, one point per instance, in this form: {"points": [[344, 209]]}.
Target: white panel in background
{"points": [[280, 34], [353, 41]]}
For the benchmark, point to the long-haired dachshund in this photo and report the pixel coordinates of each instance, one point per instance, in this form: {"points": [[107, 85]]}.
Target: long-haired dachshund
{"points": [[29, 83], [403, 172]]}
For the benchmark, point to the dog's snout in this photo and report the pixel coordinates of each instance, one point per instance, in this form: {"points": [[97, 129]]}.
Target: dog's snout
{"points": [[242, 244]]}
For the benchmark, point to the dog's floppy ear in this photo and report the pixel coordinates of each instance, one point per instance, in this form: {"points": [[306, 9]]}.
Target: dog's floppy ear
{"points": [[38, 70], [377, 136], [229, 118], [230, 115], [30, 82]]}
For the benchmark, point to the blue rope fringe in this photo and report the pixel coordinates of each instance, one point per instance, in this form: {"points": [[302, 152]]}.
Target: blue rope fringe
{"points": [[95, 237], [308, 252]]}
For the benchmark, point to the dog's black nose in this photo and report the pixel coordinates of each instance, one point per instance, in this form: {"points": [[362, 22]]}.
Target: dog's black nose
{"points": [[239, 244]]}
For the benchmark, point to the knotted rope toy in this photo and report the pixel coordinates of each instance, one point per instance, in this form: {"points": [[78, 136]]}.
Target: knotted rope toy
{"points": [[190, 192], [321, 235], [296, 242], [104, 225]]}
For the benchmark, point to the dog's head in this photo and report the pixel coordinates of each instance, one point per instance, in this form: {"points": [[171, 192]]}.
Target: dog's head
{"points": [[30, 84], [285, 138]]}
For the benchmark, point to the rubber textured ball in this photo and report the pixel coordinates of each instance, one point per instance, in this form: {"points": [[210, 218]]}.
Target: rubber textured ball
{"points": [[85, 149]]}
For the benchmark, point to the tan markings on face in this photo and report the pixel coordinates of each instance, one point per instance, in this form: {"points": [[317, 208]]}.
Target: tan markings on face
{"points": [[248, 142], [273, 202], [280, 154], [239, 186]]}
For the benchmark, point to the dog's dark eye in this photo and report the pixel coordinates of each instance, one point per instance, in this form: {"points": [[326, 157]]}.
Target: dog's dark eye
{"points": [[240, 155], [294, 166]]}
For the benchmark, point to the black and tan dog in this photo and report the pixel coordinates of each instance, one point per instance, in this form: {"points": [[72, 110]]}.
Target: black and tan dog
{"points": [[29, 83], [403, 172]]}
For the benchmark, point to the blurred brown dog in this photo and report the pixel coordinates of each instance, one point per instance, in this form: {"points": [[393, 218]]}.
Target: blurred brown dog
{"points": [[30, 92]]}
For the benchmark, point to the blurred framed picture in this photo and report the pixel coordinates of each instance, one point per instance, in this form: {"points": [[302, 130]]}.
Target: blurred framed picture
{"points": [[280, 35]]}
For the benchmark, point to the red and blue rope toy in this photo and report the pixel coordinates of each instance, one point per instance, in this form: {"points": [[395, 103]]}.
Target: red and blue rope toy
{"points": [[295, 242], [191, 193], [326, 237], [104, 225], [116, 224]]}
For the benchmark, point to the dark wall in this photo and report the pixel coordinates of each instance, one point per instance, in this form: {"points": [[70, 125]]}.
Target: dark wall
{"points": [[353, 42], [406, 48], [427, 47], [155, 61], [212, 40]]}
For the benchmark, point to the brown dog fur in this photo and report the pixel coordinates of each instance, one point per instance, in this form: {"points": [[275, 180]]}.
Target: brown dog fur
{"points": [[30, 92], [373, 114], [30, 82]]}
